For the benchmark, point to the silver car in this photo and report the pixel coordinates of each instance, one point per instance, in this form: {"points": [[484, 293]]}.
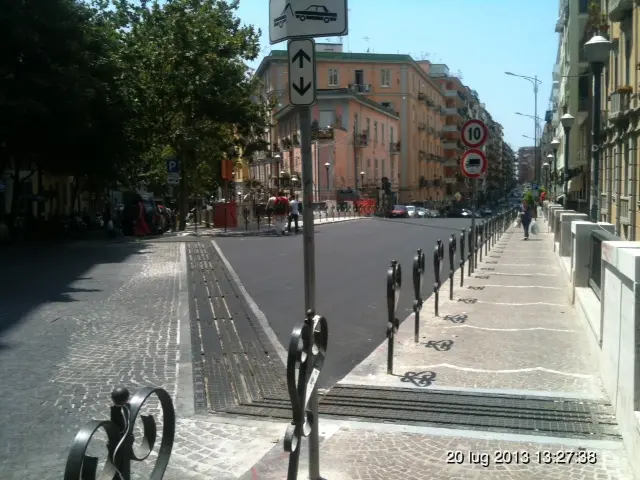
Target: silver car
{"points": [[411, 210]]}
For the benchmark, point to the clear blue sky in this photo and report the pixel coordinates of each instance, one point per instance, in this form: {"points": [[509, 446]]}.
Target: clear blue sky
{"points": [[480, 38]]}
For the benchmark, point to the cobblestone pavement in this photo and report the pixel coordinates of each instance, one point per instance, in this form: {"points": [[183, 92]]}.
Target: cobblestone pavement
{"points": [[76, 321], [380, 454]]}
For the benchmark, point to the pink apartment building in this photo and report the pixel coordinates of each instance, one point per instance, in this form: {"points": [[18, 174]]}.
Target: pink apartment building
{"points": [[368, 93]]}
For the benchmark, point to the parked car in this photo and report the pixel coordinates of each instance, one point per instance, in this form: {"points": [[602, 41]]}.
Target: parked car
{"points": [[399, 211], [422, 212], [411, 210]]}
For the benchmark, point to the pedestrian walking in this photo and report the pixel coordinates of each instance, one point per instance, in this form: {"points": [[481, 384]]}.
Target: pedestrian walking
{"points": [[280, 209], [294, 213], [527, 214]]}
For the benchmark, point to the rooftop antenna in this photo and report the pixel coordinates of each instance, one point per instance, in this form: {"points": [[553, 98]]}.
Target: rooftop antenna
{"points": [[366, 39]]}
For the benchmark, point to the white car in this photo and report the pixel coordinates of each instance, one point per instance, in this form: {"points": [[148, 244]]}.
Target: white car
{"points": [[411, 210]]}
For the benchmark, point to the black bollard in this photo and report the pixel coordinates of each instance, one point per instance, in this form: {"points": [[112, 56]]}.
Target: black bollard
{"points": [[394, 283], [436, 273], [481, 241], [462, 242], [485, 238], [120, 438], [306, 356], [245, 215], [269, 218], [470, 254], [452, 254], [418, 280], [476, 247]]}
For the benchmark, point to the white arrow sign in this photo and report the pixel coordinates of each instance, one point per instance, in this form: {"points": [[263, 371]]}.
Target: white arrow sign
{"points": [[302, 72], [289, 19]]}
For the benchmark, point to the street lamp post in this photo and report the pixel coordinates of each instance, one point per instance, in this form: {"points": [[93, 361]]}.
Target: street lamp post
{"points": [[567, 122], [278, 159], [555, 144], [535, 82], [281, 182], [547, 171], [293, 182], [361, 183], [327, 166], [597, 52]]}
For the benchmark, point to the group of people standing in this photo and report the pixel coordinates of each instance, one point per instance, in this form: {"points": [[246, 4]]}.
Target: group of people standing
{"points": [[284, 210]]}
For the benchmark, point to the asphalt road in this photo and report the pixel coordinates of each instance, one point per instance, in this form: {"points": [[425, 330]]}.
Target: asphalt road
{"points": [[352, 259]]}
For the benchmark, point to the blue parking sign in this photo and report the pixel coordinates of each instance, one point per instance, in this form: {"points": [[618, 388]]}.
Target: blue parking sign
{"points": [[534, 186], [173, 166]]}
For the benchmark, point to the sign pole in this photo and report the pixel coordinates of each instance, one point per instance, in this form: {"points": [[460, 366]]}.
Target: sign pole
{"points": [[309, 269], [474, 192]]}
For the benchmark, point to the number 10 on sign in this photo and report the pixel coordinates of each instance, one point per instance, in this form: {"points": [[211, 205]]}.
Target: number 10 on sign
{"points": [[475, 133]]}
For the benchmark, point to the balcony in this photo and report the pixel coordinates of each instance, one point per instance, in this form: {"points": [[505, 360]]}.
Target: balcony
{"points": [[422, 96], [604, 206], [453, 146], [422, 155], [620, 104], [422, 126], [451, 129], [455, 95], [394, 148], [322, 134], [624, 210], [451, 112], [360, 88], [556, 72], [361, 140], [619, 9]]}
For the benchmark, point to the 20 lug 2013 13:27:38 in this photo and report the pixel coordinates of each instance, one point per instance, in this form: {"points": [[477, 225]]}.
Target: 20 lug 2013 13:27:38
{"points": [[523, 457]]}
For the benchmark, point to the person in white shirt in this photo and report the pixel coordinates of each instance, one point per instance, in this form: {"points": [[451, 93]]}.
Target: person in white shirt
{"points": [[294, 213]]}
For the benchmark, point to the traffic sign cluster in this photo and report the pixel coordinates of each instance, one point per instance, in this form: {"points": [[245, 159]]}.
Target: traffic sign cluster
{"points": [[474, 135]]}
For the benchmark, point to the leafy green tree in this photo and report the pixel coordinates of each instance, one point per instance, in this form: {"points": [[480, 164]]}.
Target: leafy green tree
{"points": [[62, 110], [188, 78]]}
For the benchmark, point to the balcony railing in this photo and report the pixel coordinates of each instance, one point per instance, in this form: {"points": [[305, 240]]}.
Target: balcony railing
{"points": [[619, 103], [619, 9], [451, 111], [394, 148], [422, 126], [361, 139], [595, 258], [624, 209]]}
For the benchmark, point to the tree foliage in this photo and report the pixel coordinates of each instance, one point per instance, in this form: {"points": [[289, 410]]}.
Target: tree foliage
{"points": [[109, 91]]}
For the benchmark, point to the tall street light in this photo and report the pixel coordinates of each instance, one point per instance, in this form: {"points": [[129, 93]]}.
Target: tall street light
{"points": [[597, 52], [535, 82], [555, 144], [548, 164], [567, 122], [537, 120], [327, 166]]}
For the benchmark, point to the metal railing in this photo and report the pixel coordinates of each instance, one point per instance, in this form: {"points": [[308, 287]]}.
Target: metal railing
{"points": [[595, 258], [120, 439]]}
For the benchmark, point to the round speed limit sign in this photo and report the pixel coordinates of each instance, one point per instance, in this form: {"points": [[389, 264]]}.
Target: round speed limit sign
{"points": [[474, 133]]}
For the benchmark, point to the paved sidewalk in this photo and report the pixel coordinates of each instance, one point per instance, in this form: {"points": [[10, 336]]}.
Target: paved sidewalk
{"points": [[265, 228], [510, 332]]}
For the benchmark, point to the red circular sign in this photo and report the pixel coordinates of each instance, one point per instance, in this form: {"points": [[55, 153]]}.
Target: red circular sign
{"points": [[475, 133], [473, 163]]}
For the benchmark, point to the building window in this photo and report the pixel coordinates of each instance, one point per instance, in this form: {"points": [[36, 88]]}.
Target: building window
{"points": [[629, 165], [375, 132], [333, 77], [368, 128], [392, 169], [382, 133], [391, 135], [383, 170], [385, 77], [375, 175]]}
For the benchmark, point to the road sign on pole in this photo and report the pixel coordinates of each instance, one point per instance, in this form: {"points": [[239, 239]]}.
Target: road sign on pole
{"points": [[302, 72], [173, 166], [173, 178], [291, 19], [473, 163], [475, 133]]}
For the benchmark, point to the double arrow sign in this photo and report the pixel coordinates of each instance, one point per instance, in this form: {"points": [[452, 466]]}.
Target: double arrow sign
{"points": [[302, 67]]}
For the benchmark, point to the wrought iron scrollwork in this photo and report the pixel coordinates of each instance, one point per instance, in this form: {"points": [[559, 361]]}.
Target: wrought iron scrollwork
{"points": [[394, 284], [307, 353], [119, 430], [418, 281]]}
